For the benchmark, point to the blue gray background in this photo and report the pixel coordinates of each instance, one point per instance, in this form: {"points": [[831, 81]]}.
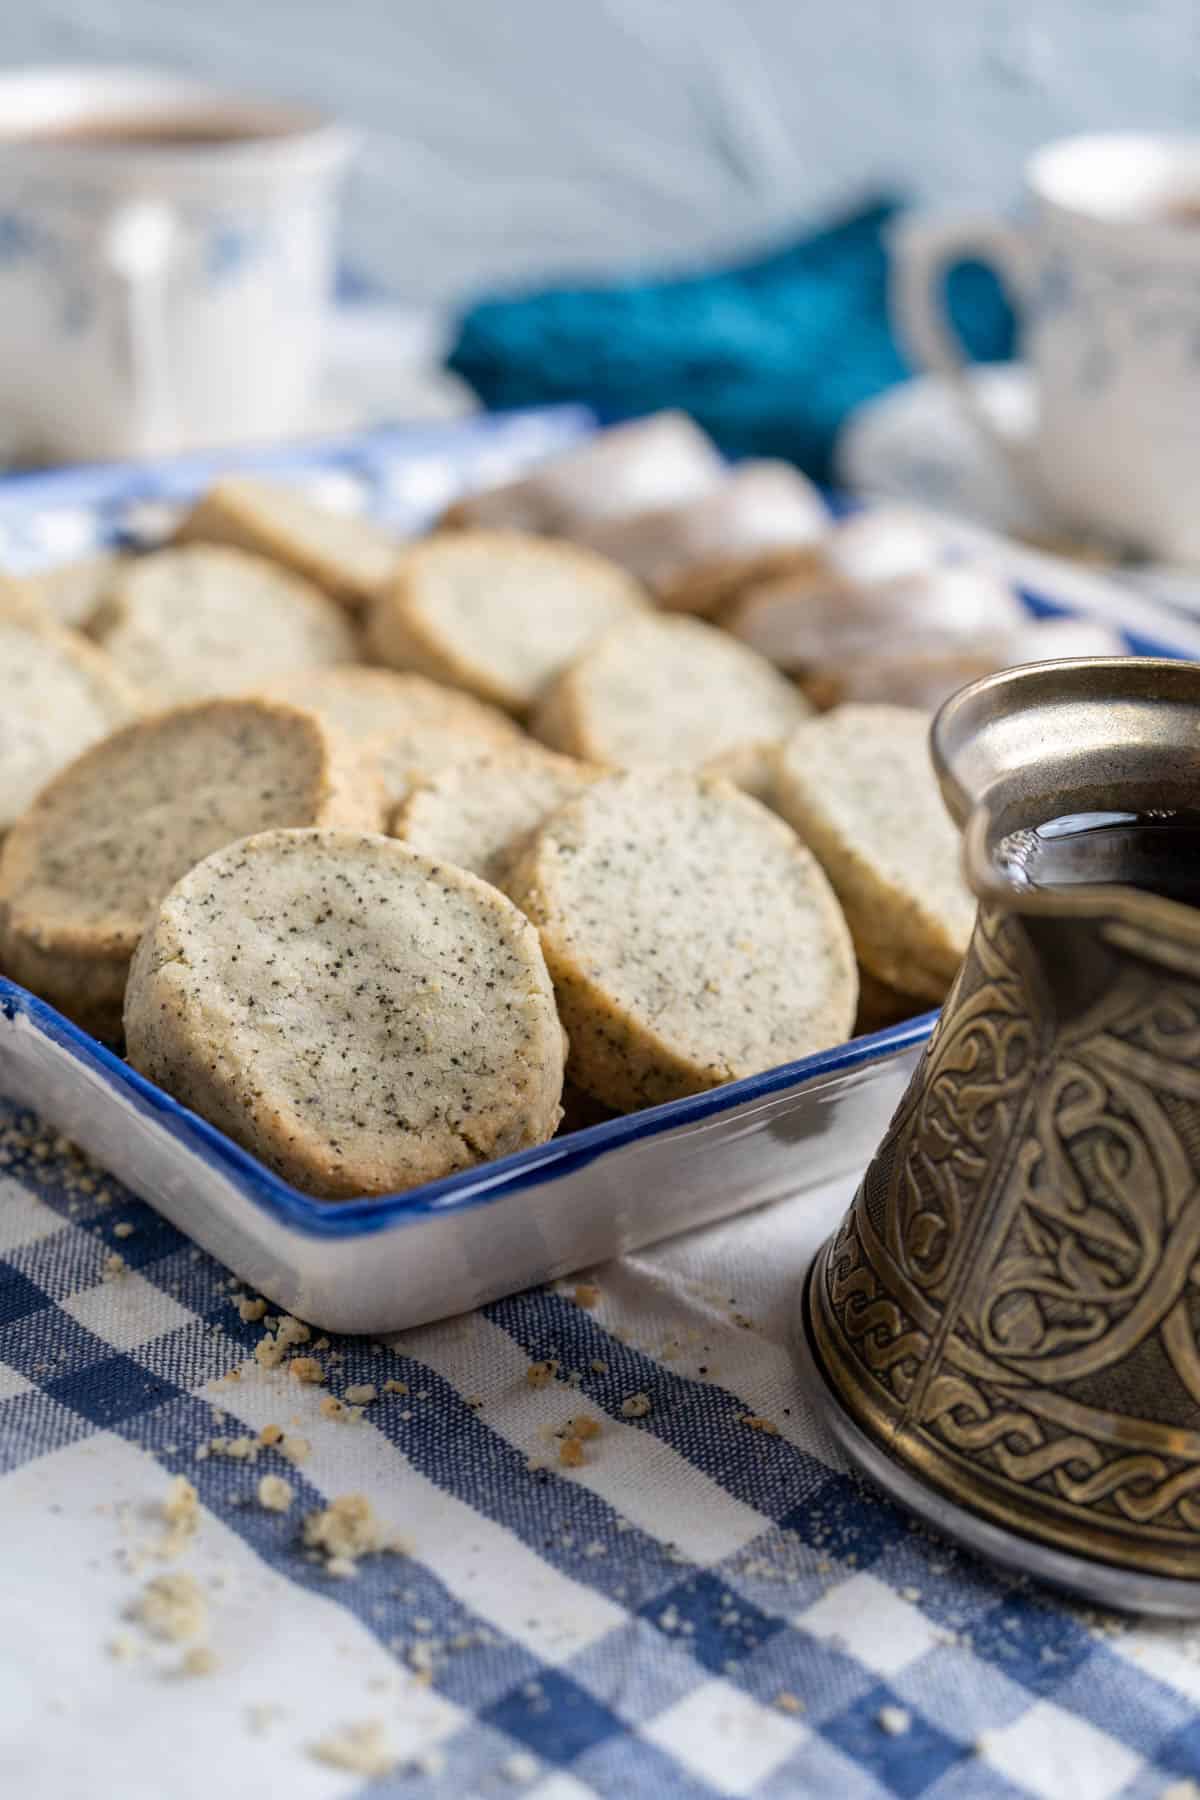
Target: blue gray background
{"points": [[512, 138]]}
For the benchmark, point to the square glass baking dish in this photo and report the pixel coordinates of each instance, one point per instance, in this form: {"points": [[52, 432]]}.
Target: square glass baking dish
{"points": [[385, 1264]]}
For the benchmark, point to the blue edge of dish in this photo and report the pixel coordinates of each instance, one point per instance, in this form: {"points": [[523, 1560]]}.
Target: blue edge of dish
{"points": [[471, 1187]]}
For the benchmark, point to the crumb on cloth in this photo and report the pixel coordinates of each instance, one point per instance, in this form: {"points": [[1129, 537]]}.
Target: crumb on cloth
{"points": [[360, 1749], [172, 1607]]}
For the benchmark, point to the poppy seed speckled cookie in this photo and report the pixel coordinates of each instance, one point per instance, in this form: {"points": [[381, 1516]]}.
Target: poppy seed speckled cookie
{"points": [[85, 866], [663, 460], [412, 727], [477, 813], [349, 557], [193, 623], [497, 613], [71, 592], [858, 786], [666, 690], [691, 937], [61, 694], [696, 557], [362, 1018]]}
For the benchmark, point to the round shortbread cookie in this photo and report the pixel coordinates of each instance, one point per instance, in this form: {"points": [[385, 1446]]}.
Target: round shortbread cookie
{"points": [[477, 813], [697, 556], [193, 623], [410, 726], [691, 937], [663, 460], [362, 1018], [497, 613], [84, 868], [880, 1006], [859, 787], [350, 558], [750, 767], [72, 592], [666, 690], [811, 620], [61, 694]]}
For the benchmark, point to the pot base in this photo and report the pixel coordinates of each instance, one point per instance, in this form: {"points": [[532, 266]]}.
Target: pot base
{"points": [[1101, 1583]]}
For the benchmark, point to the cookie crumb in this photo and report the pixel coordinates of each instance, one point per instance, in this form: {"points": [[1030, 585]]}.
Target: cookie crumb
{"points": [[636, 1406], [199, 1660], [597, 1367], [270, 1434], [359, 1749], [361, 1394], [894, 1720], [297, 1449], [789, 1703], [238, 1449], [541, 1374], [331, 1408], [345, 1530], [570, 1453], [756, 1422], [115, 1266], [181, 1515], [124, 1229], [275, 1494], [306, 1369], [172, 1607], [250, 1311], [395, 1387], [122, 1647], [587, 1295]]}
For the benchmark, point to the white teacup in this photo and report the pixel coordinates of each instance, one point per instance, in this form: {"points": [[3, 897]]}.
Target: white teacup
{"points": [[1105, 276], [166, 253]]}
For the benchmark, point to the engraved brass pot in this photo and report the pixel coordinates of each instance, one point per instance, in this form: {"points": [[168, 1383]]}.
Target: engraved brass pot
{"points": [[1009, 1316]]}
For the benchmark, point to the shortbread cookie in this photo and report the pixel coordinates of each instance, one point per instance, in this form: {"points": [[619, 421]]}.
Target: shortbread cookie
{"points": [[60, 695], [814, 621], [696, 556], [84, 868], [71, 592], [691, 937], [928, 679], [750, 767], [880, 1006], [349, 557], [665, 460], [659, 690], [408, 726], [476, 813], [885, 543], [362, 1018], [203, 621], [496, 612], [859, 787]]}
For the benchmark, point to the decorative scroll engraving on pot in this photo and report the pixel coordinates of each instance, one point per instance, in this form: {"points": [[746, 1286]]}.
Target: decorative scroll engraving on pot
{"points": [[1012, 1303]]}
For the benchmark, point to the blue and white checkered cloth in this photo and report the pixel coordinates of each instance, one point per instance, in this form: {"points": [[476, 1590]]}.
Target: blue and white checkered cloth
{"points": [[704, 1606]]}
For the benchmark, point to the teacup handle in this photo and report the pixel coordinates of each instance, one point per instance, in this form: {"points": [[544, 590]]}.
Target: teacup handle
{"points": [[137, 245], [923, 253]]}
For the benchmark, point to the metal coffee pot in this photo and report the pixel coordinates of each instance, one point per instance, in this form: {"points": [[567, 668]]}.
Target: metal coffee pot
{"points": [[1007, 1322]]}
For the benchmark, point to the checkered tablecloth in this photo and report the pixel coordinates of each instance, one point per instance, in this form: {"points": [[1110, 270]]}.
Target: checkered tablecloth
{"points": [[705, 1604]]}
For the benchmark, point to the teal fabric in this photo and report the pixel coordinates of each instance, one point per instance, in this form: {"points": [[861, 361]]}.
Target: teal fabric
{"points": [[770, 355]]}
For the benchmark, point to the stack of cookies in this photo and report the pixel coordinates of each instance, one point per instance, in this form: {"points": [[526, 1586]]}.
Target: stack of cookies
{"points": [[365, 849]]}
